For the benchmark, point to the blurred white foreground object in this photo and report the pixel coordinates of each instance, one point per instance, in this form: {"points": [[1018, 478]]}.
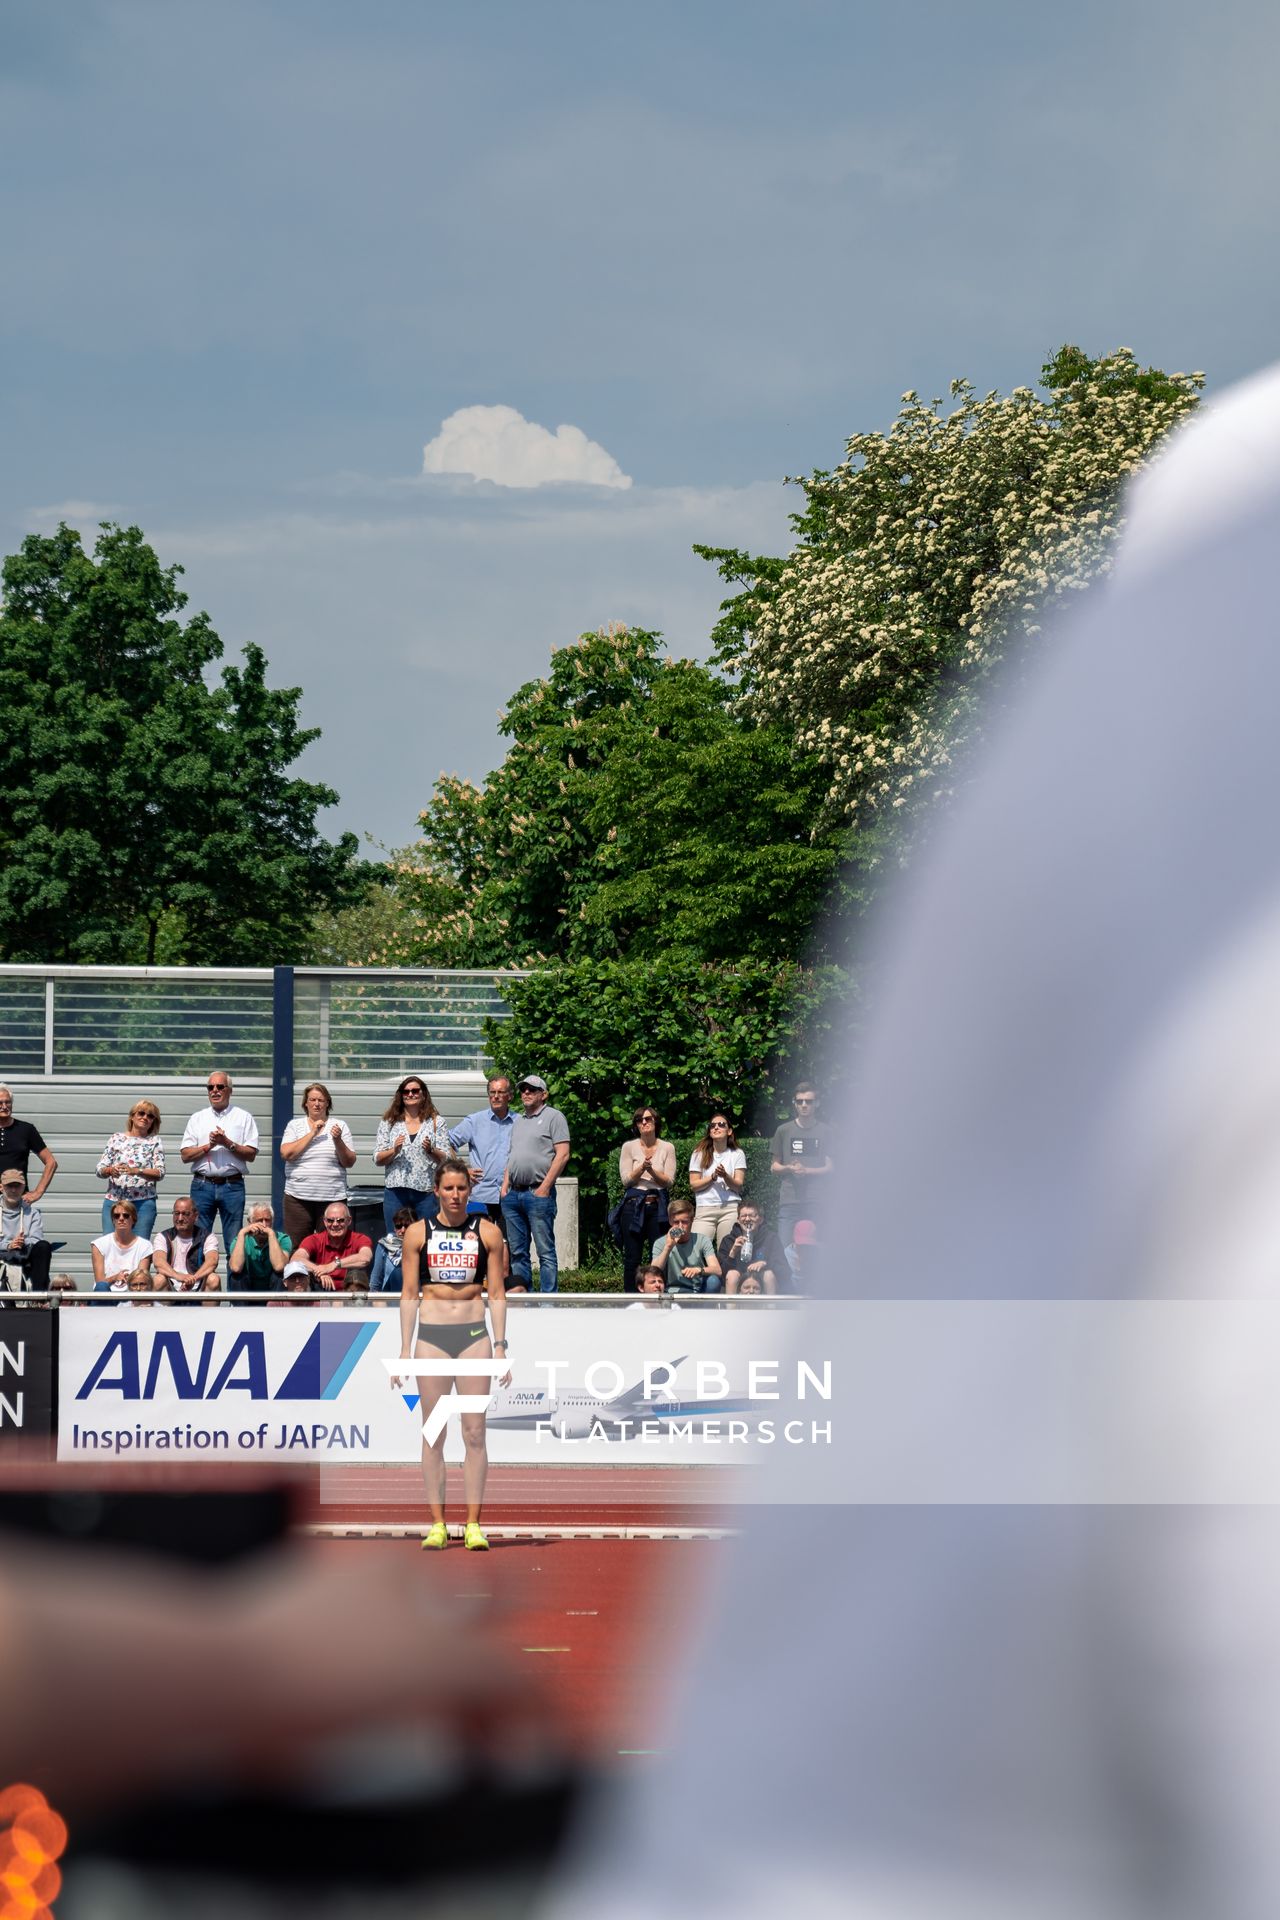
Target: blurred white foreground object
{"points": [[1071, 1090]]}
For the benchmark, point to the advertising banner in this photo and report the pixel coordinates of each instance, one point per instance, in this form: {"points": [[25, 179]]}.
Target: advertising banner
{"points": [[27, 1340], [634, 1384]]}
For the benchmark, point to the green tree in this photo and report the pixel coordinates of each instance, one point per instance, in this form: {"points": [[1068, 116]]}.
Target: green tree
{"points": [[927, 557], [674, 1030], [149, 815], [634, 814]]}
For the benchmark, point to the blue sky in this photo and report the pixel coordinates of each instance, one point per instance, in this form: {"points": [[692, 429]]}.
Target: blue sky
{"points": [[256, 255]]}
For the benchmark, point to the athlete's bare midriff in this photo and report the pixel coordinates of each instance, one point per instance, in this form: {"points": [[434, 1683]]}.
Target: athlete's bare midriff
{"points": [[448, 1303]]}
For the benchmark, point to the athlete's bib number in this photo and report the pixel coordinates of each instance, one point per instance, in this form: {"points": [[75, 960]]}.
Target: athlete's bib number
{"points": [[452, 1260]]}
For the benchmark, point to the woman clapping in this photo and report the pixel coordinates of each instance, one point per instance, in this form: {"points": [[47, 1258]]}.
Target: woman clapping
{"points": [[316, 1150]]}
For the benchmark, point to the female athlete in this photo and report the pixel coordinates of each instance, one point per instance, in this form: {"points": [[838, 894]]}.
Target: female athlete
{"points": [[448, 1263]]}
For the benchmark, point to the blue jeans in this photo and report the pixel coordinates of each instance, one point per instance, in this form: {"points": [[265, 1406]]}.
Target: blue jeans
{"points": [[526, 1211], [393, 1198], [222, 1199], [386, 1274], [146, 1215]]}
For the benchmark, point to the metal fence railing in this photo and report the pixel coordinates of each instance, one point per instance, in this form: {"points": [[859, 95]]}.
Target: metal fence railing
{"points": [[170, 1022], [361, 1024]]}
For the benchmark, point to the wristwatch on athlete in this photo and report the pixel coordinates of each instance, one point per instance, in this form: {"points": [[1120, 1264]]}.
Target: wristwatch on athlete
{"points": [[502, 1344]]}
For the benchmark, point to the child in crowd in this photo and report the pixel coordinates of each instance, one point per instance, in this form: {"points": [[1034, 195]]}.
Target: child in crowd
{"points": [[295, 1282]]}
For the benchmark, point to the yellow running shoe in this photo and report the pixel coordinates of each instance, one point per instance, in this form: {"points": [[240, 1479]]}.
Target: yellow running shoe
{"points": [[473, 1537], [437, 1535]]}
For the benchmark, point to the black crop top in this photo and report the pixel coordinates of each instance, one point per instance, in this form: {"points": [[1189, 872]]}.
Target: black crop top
{"points": [[453, 1256]]}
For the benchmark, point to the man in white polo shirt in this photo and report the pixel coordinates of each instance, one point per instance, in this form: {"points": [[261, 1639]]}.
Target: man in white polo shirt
{"points": [[219, 1143]]}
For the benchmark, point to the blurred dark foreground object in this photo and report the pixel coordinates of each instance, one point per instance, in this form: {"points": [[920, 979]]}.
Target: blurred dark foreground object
{"points": [[236, 1723]]}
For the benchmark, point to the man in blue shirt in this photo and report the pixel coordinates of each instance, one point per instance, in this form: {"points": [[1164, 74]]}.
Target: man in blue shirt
{"points": [[486, 1135]]}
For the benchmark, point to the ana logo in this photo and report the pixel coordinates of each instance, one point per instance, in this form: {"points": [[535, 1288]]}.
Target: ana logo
{"points": [[320, 1371]]}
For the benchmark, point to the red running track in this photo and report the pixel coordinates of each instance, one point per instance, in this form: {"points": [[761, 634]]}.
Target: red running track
{"points": [[540, 1496], [591, 1618]]}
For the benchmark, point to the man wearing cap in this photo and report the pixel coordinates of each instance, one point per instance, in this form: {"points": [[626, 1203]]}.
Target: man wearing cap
{"points": [[219, 1143], [22, 1241], [539, 1154], [18, 1141]]}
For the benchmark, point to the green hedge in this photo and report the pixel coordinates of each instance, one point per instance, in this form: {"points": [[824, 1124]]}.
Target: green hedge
{"points": [[760, 1183]]}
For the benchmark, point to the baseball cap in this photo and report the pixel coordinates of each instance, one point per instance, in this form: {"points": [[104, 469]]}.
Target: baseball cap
{"points": [[532, 1080], [805, 1234], [12, 1178]]}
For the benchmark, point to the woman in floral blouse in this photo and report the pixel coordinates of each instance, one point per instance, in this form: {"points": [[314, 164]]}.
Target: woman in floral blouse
{"points": [[412, 1142], [132, 1165]]}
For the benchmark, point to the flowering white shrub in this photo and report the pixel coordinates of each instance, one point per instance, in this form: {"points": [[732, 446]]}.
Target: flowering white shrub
{"points": [[927, 555]]}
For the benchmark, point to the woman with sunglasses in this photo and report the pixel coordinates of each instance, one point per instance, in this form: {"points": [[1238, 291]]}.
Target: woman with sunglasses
{"points": [[132, 1164], [412, 1145], [647, 1169], [717, 1173], [121, 1253]]}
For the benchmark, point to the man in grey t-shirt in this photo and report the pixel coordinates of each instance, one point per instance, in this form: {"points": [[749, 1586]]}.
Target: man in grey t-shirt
{"points": [[539, 1154], [801, 1156]]}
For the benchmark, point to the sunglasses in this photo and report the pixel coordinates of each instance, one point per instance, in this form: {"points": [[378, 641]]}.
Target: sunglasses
{"points": [[217, 1086], [122, 1216]]}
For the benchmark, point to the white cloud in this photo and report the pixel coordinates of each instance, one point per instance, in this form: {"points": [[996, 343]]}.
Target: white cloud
{"points": [[454, 604], [84, 515], [499, 444]]}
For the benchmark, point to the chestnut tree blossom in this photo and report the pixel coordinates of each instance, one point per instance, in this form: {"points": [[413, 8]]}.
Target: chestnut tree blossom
{"points": [[931, 554]]}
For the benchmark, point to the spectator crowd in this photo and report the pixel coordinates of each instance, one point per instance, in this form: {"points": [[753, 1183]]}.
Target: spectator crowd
{"points": [[716, 1241]]}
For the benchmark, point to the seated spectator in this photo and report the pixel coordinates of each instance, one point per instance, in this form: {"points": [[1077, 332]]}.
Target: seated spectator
{"points": [[751, 1283], [294, 1281], [801, 1253], [717, 1173], [651, 1282], [259, 1254], [23, 1246], [146, 1284], [687, 1258], [186, 1260], [387, 1255], [60, 1286], [121, 1255], [647, 1169], [332, 1256], [752, 1249], [132, 1164]]}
